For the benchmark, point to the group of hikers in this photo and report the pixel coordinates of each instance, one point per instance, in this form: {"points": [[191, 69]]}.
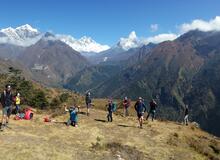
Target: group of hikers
{"points": [[7, 101], [139, 107]]}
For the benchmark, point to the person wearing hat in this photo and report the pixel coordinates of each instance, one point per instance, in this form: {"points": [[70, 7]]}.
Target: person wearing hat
{"points": [[6, 101], [17, 103], [140, 108]]}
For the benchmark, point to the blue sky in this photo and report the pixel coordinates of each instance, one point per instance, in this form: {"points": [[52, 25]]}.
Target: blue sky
{"points": [[106, 20]]}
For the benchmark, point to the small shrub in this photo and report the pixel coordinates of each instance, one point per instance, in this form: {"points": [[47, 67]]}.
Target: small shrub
{"points": [[55, 102], [64, 97], [39, 100]]}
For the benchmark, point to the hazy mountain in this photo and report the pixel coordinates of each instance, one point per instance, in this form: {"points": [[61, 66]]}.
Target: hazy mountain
{"points": [[123, 50], [90, 77], [52, 61], [6, 65], [10, 51], [93, 76]]}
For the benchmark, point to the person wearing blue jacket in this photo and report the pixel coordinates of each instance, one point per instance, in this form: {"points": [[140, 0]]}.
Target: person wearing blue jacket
{"points": [[140, 108], [73, 120]]}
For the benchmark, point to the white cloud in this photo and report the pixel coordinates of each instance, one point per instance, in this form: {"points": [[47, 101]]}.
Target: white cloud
{"points": [[211, 25], [154, 27], [132, 41], [160, 38]]}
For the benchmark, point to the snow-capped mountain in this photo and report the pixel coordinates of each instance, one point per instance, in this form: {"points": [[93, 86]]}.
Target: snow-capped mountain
{"points": [[131, 41], [84, 44], [24, 35]]}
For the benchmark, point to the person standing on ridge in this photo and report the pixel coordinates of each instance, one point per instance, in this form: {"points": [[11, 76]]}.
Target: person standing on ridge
{"points": [[110, 109], [88, 102], [6, 101], [186, 115], [140, 108], [126, 104], [152, 111]]}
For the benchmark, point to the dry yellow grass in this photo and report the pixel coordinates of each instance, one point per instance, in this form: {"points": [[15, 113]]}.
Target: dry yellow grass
{"points": [[97, 139]]}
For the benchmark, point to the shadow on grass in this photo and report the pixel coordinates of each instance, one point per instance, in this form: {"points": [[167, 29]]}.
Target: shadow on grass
{"points": [[83, 113], [100, 120], [126, 126]]}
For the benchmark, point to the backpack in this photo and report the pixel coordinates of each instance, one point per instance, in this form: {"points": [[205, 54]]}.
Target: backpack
{"points": [[28, 114], [114, 107]]}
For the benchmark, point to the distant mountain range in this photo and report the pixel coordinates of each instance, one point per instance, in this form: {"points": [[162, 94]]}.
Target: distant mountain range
{"points": [[26, 35]]}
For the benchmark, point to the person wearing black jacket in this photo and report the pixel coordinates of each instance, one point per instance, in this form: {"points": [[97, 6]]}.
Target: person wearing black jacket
{"points": [[110, 109], [140, 108], [152, 111], [88, 100], [6, 101]]}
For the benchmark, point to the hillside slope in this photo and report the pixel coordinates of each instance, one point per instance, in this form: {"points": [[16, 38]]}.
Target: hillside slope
{"points": [[97, 139], [52, 61]]}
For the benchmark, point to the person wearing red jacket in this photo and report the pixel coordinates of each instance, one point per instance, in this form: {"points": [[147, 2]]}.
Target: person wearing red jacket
{"points": [[126, 104]]}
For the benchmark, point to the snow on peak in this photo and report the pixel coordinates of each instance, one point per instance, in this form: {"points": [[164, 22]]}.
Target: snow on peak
{"points": [[132, 35], [23, 35], [84, 44], [130, 42], [27, 27]]}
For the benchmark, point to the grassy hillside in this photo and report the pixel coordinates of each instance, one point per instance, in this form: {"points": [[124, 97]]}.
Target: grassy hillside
{"points": [[34, 94], [97, 139]]}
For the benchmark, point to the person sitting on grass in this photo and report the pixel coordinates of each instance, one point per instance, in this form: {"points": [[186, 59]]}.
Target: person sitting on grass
{"points": [[73, 120]]}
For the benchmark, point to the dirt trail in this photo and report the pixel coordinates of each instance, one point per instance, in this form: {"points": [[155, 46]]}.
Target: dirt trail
{"points": [[97, 139]]}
